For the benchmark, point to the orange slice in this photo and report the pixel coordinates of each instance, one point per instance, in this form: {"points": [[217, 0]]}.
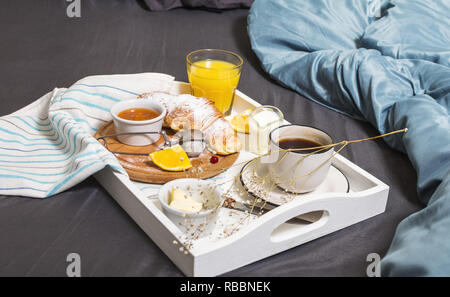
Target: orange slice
{"points": [[240, 121], [171, 159]]}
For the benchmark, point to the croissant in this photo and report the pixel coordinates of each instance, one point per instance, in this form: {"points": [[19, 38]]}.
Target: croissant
{"points": [[189, 112]]}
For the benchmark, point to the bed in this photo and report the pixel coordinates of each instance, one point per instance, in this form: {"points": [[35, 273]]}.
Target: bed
{"points": [[374, 60], [43, 48]]}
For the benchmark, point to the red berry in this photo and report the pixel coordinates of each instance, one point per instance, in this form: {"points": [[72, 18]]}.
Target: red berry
{"points": [[214, 159]]}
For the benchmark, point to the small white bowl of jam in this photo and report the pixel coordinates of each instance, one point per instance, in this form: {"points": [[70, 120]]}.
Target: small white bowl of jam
{"points": [[139, 121]]}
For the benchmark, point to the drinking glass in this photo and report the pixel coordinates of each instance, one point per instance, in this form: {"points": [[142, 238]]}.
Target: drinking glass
{"points": [[214, 74]]}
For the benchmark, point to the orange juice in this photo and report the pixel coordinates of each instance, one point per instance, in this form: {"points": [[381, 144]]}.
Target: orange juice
{"points": [[216, 80]]}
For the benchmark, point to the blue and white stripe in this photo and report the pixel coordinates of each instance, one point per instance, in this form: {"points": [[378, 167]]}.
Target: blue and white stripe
{"points": [[48, 146]]}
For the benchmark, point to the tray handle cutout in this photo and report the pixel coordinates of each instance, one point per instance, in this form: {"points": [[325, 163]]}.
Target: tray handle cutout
{"points": [[281, 227], [299, 225]]}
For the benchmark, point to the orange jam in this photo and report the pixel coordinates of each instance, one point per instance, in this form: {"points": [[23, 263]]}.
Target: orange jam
{"points": [[138, 114]]}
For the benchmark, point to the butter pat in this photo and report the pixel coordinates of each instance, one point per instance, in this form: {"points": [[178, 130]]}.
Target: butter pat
{"points": [[261, 122], [181, 201]]}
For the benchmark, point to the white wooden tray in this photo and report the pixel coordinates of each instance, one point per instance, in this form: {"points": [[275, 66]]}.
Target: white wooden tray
{"points": [[256, 237]]}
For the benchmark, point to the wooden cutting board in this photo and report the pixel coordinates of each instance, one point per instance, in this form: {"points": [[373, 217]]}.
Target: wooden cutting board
{"points": [[141, 168]]}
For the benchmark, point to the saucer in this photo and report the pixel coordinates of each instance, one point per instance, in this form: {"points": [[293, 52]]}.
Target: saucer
{"points": [[257, 182]]}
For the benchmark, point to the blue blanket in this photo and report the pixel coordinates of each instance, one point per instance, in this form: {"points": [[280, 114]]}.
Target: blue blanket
{"points": [[387, 62]]}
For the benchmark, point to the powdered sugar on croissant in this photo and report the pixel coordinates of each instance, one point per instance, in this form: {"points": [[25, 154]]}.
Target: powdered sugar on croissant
{"points": [[189, 112]]}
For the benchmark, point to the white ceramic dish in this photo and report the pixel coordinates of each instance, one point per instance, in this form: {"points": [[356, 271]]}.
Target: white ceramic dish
{"points": [[126, 126], [196, 224], [335, 182]]}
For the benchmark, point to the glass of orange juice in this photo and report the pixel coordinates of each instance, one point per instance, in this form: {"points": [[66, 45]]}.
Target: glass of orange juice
{"points": [[214, 74]]}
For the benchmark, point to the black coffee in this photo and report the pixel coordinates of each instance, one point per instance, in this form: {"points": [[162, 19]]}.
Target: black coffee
{"points": [[299, 143]]}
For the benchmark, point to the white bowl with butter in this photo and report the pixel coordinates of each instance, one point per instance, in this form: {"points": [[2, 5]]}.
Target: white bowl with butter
{"points": [[192, 204]]}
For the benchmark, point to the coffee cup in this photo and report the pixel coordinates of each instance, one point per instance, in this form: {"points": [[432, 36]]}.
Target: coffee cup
{"points": [[296, 168]]}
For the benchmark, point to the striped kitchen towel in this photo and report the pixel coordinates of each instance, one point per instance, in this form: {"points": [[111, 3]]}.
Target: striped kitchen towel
{"points": [[48, 146]]}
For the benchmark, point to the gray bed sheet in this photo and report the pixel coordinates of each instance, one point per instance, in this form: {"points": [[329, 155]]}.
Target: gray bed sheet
{"points": [[41, 48]]}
